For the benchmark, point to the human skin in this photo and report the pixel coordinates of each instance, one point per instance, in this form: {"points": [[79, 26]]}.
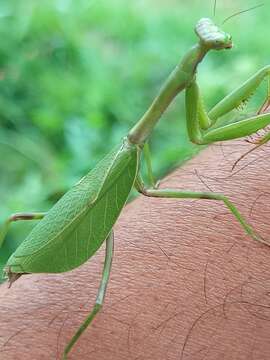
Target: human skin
{"points": [[187, 282]]}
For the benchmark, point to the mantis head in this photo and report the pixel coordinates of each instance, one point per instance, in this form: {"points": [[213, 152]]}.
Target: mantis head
{"points": [[211, 36]]}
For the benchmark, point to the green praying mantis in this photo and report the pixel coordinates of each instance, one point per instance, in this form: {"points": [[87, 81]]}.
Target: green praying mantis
{"points": [[82, 220]]}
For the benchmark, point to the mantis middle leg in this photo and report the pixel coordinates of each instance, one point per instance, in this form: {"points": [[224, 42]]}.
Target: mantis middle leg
{"points": [[16, 217], [147, 156], [5, 226]]}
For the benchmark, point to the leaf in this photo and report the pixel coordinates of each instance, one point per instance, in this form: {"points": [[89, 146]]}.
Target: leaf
{"points": [[80, 221]]}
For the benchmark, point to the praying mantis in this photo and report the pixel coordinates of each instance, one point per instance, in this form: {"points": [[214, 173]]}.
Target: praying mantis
{"points": [[73, 230]]}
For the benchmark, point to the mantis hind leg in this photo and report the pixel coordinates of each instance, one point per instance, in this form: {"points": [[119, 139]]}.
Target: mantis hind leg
{"points": [[147, 157], [16, 217], [177, 194], [199, 123], [100, 295]]}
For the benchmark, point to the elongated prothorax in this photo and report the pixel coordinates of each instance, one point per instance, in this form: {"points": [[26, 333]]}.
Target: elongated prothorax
{"points": [[210, 37]]}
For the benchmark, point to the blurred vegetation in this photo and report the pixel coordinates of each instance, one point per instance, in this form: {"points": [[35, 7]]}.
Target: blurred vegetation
{"points": [[76, 75]]}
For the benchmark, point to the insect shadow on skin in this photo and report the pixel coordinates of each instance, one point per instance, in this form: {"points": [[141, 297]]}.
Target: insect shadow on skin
{"points": [[82, 220]]}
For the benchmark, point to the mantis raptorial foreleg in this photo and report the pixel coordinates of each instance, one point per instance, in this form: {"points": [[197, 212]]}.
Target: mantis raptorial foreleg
{"points": [[16, 217], [100, 295], [199, 122], [259, 139], [183, 194], [262, 140]]}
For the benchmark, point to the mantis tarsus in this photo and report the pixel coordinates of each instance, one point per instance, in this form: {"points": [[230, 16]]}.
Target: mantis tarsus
{"points": [[77, 225]]}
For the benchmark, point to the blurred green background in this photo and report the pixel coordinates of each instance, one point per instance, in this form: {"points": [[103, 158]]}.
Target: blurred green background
{"points": [[76, 75]]}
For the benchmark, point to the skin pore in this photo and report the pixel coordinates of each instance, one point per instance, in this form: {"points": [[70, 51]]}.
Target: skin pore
{"points": [[186, 283]]}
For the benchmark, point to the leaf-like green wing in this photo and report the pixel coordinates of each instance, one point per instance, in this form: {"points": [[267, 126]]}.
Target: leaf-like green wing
{"points": [[81, 220]]}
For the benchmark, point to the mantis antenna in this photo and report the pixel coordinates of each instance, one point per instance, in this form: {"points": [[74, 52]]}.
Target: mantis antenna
{"points": [[240, 12], [215, 7]]}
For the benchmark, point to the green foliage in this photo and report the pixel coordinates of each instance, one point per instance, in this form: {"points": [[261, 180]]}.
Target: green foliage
{"points": [[76, 75]]}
